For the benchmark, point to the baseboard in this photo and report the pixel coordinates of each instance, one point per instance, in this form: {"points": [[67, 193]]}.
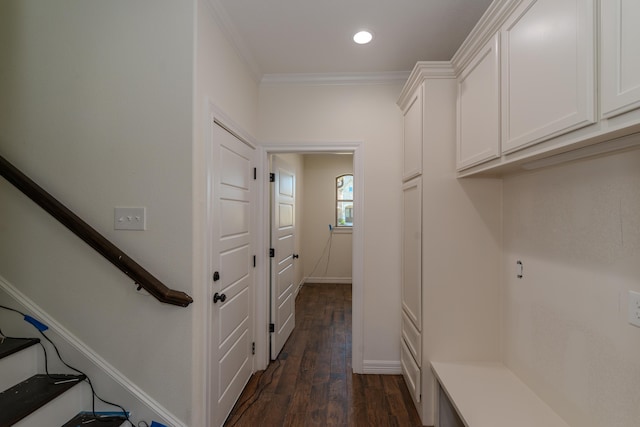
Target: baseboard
{"points": [[297, 289], [381, 367], [103, 375], [336, 280]]}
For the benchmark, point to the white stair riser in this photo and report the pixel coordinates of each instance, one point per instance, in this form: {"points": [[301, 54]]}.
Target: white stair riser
{"points": [[18, 367], [60, 410]]}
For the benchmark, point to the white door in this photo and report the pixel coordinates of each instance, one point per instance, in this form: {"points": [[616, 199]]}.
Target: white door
{"points": [[283, 228], [232, 333]]}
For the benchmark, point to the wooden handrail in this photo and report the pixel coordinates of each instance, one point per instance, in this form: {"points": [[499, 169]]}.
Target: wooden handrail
{"points": [[94, 239]]}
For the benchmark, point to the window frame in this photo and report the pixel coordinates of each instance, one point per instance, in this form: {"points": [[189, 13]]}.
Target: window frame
{"points": [[338, 201]]}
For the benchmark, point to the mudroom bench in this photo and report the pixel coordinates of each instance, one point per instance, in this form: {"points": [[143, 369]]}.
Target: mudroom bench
{"points": [[487, 395]]}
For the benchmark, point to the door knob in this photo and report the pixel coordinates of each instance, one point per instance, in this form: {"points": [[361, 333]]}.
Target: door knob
{"points": [[219, 297], [295, 256]]}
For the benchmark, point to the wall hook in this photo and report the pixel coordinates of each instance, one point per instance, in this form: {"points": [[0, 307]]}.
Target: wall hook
{"points": [[520, 269]]}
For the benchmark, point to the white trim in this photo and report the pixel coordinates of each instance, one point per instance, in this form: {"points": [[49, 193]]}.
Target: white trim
{"points": [[422, 71], [336, 280], [87, 352], [486, 28], [342, 230], [357, 334], [297, 289], [382, 367], [322, 79]]}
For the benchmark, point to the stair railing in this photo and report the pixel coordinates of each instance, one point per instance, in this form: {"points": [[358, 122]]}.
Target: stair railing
{"points": [[104, 247]]}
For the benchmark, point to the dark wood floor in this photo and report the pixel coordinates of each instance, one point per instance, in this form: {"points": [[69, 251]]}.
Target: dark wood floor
{"points": [[311, 383]]}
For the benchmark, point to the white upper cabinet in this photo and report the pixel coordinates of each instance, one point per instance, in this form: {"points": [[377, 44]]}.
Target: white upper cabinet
{"points": [[478, 133], [548, 65], [620, 43], [413, 137]]}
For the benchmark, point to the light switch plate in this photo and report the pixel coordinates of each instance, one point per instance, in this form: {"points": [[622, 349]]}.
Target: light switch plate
{"points": [[130, 219], [634, 308]]}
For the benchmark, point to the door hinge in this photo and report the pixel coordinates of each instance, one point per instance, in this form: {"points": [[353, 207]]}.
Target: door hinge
{"points": [[272, 177], [253, 348], [254, 261], [272, 327], [255, 173], [272, 252]]}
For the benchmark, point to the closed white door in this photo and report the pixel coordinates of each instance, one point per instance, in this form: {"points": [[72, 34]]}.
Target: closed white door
{"points": [[283, 227], [232, 278]]}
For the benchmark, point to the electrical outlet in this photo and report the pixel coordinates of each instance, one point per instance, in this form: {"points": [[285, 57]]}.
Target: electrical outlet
{"points": [[130, 219], [634, 308]]}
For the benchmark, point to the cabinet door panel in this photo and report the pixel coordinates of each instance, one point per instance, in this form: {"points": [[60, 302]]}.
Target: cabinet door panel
{"points": [[410, 372], [412, 251], [620, 37], [547, 71], [412, 165], [478, 134], [412, 338]]}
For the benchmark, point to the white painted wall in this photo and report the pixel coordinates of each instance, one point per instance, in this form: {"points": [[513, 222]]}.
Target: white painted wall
{"points": [[224, 82], [96, 106], [290, 113], [576, 228], [321, 171], [461, 249]]}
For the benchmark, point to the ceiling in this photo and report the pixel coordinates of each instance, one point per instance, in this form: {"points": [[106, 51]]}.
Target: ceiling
{"points": [[315, 37]]}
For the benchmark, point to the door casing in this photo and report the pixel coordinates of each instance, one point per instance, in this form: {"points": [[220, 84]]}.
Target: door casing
{"points": [[202, 307], [262, 300]]}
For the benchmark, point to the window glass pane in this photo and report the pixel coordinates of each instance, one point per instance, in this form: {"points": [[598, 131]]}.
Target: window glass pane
{"points": [[344, 201], [345, 214], [345, 187]]}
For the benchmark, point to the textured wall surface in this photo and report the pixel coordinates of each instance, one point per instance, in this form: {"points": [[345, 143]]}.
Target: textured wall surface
{"points": [[576, 229]]}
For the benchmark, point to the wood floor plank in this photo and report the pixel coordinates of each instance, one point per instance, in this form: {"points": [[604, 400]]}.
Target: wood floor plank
{"points": [[312, 384]]}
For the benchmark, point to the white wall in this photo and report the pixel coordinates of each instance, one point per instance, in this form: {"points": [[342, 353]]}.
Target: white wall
{"points": [[576, 229], [96, 106], [223, 81], [321, 171], [461, 249], [368, 113]]}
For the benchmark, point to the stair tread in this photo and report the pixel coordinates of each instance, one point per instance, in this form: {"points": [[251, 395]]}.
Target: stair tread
{"points": [[13, 345], [85, 419], [22, 399]]}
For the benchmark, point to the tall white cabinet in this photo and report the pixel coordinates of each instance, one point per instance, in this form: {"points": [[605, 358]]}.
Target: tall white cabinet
{"points": [[450, 241], [411, 344], [536, 83]]}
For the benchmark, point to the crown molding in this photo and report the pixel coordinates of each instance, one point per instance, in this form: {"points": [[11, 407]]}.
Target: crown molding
{"points": [[330, 79], [488, 25], [425, 70], [221, 17]]}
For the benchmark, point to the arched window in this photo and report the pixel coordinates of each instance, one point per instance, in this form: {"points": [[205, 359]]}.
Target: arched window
{"points": [[344, 201]]}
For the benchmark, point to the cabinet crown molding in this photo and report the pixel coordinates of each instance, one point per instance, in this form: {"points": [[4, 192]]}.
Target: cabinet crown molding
{"points": [[424, 70], [488, 25]]}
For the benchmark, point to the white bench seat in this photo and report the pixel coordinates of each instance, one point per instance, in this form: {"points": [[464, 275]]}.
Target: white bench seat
{"points": [[490, 395]]}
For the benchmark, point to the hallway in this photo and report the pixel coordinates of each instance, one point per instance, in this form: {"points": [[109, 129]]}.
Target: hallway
{"points": [[310, 384]]}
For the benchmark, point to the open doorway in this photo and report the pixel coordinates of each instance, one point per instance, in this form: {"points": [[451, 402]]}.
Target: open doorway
{"points": [[311, 211], [262, 308]]}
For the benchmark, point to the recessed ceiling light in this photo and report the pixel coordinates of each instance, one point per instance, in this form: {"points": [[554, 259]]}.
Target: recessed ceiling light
{"points": [[362, 37]]}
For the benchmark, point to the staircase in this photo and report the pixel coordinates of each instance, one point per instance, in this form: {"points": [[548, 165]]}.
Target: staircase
{"points": [[32, 398]]}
